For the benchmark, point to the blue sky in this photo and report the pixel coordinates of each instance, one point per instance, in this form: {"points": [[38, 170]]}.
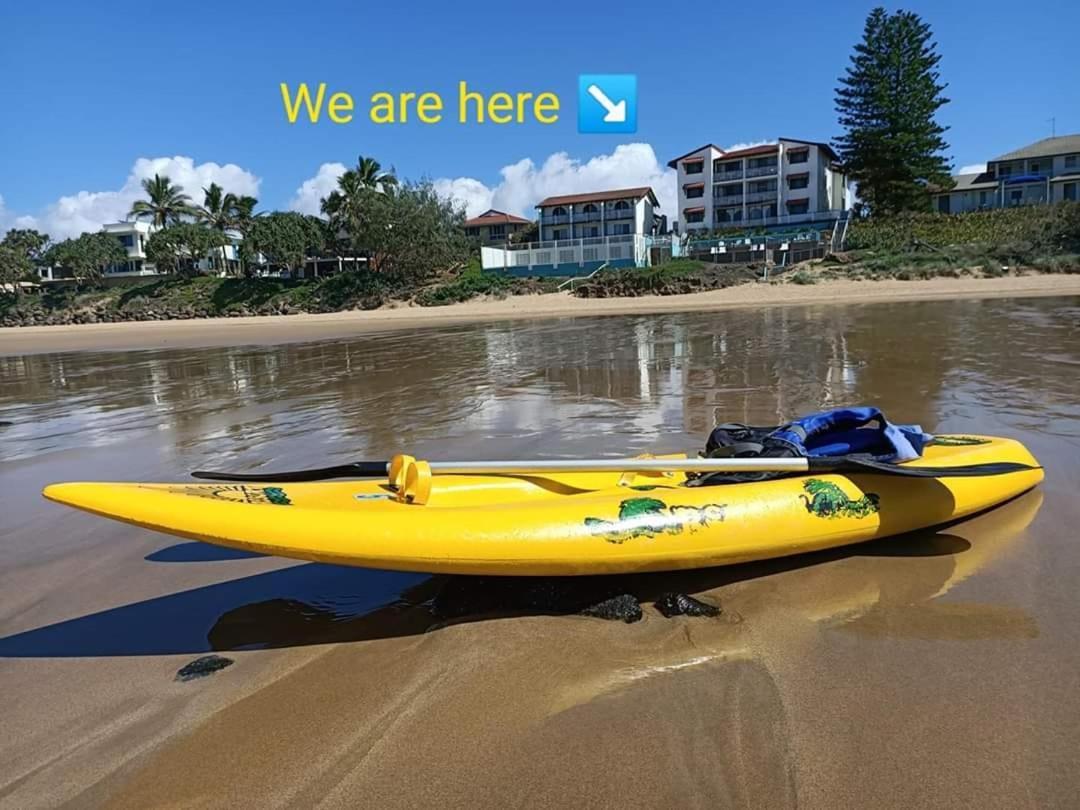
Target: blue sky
{"points": [[92, 87]]}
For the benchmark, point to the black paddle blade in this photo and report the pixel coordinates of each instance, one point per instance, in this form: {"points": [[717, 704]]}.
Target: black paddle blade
{"points": [[359, 469], [854, 464]]}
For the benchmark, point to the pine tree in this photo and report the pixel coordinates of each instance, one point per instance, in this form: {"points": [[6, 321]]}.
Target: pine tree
{"points": [[892, 146]]}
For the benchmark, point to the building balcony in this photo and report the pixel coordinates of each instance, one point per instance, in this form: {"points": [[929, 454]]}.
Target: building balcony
{"points": [[760, 171], [762, 196], [720, 176], [552, 219], [728, 201], [619, 213], [590, 216]]}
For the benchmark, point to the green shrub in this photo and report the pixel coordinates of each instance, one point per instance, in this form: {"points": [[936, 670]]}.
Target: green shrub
{"points": [[1052, 227]]}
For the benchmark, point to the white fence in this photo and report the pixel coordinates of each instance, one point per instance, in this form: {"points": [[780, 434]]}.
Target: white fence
{"points": [[578, 253]]}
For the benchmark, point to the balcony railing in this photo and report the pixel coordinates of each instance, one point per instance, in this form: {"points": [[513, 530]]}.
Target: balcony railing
{"points": [[618, 213], [551, 219], [722, 176], [758, 171], [762, 196], [728, 201]]}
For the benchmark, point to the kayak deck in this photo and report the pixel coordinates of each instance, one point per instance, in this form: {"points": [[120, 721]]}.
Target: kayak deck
{"points": [[562, 523]]}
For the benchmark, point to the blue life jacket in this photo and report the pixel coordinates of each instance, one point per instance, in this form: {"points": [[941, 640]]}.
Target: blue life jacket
{"points": [[839, 432]]}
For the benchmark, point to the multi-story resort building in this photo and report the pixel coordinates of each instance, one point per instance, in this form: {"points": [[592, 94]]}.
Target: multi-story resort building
{"points": [[494, 226], [787, 182], [1043, 172], [622, 212]]}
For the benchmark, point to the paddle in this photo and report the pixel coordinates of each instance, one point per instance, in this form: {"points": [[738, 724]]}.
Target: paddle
{"points": [[826, 465]]}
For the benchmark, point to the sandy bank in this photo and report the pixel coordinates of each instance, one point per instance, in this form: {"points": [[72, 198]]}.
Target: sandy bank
{"points": [[299, 328]]}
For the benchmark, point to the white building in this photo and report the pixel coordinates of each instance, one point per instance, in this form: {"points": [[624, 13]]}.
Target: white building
{"points": [[133, 236], [1043, 172], [782, 183], [622, 212]]}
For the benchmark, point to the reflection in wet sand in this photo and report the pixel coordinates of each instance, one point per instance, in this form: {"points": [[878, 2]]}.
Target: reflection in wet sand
{"points": [[931, 669]]}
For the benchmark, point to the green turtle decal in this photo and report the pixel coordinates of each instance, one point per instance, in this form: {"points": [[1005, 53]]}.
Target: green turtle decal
{"points": [[951, 441], [827, 500], [648, 517]]}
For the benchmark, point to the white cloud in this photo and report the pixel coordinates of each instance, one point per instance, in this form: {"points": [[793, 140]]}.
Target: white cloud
{"points": [[307, 198], [8, 219], [972, 168], [523, 184], [87, 211], [735, 147]]}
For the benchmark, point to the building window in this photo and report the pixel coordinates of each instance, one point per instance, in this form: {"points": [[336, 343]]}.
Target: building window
{"points": [[474, 232], [559, 211], [694, 167], [558, 233], [127, 240], [1070, 161], [695, 216], [1016, 196], [798, 206], [1068, 191], [496, 231], [799, 181], [622, 209], [1004, 170], [982, 199], [622, 229], [943, 204], [692, 192], [798, 156], [591, 231], [1034, 168]]}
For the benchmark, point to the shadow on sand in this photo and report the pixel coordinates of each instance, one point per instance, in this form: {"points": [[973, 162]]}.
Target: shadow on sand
{"points": [[314, 603]]}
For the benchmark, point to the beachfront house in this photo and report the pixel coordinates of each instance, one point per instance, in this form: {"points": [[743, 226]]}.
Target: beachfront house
{"points": [[773, 184], [580, 233], [134, 236], [1042, 172], [621, 212], [494, 227]]}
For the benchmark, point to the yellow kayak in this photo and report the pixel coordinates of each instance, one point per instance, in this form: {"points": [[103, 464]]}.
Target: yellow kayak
{"points": [[564, 523]]}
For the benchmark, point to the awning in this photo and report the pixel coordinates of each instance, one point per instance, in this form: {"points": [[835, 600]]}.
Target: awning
{"points": [[1025, 178]]}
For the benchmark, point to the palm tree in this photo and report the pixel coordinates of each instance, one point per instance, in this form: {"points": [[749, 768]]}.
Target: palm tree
{"points": [[243, 214], [166, 204], [218, 211], [371, 174]]}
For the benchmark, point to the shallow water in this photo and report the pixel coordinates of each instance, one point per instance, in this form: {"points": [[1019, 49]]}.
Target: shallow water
{"points": [[943, 668]]}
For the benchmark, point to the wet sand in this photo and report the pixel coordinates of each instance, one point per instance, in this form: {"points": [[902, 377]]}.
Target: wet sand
{"points": [[300, 328], [937, 669]]}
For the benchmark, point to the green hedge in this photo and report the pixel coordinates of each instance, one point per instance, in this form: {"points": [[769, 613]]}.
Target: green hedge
{"points": [[1039, 227]]}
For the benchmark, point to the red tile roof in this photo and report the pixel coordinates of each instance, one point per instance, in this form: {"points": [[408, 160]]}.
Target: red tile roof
{"points": [[750, 151], [599, 196], [818, 144], [764, 149], [493, 217], [672, 163]]}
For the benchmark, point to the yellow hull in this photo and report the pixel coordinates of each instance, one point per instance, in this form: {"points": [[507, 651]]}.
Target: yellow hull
{"points": [[562, 524]]}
